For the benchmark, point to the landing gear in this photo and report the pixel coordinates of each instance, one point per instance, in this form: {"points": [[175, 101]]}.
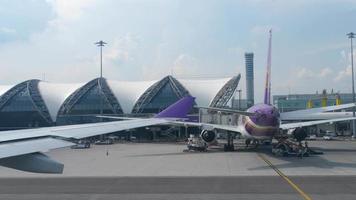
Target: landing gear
{"points": [[247, 142], [254, 142], [230, 143]]}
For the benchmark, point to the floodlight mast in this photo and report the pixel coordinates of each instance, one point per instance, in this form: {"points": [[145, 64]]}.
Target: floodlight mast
{"points": [[351, 35], [101, 44]]}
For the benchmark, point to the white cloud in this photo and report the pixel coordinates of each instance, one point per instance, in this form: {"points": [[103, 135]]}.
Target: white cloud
{"points": [[344, 73], [67, 11], [327, 47], [185, 65], [325, 72], [343, 55], [70, 9], [121, 49], [305, 73], [349, 56], [7, 30]]}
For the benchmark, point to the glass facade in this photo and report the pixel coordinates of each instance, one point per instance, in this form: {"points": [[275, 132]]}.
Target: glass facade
{"points": [[85, 103], [90, 103], [23, 106], [165, 97], [159, 96], [20, 112]]}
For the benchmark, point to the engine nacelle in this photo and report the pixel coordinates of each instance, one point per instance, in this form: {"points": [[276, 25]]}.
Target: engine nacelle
{"points": [[300, 134], [208, 136]]}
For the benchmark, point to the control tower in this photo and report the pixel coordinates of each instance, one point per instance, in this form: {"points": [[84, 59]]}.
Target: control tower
{"points": [[249, 79]]}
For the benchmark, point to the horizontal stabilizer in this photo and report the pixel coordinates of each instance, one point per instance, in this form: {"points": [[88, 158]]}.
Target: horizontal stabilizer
{"points": [[34, 162]]}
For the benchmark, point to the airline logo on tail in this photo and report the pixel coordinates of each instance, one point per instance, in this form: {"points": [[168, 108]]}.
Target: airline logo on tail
{"points": [[267, 99]]}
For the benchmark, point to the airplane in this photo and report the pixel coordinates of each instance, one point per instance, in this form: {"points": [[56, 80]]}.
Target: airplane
{"points": [[22, 149], [263, 121]]}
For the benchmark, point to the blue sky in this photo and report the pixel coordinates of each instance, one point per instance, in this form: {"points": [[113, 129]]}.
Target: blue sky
{"points": [[148, 39]]}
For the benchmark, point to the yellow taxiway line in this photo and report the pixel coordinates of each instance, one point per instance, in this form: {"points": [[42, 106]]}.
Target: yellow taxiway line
{"points": [[289, 181]]}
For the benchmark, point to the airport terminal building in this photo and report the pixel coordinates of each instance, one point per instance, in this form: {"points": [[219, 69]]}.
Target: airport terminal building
{"points": [[35, 103]]}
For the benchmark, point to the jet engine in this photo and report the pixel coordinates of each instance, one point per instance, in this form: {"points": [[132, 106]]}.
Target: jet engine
{"points": [[208, 136], [300, 134]]}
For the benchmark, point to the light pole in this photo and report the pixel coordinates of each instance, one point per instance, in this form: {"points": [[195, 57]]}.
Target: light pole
{"points": [[351, 35], [101, 44]]}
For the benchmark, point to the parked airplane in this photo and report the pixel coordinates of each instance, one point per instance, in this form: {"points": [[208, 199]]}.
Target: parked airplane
{"points": [[21, 149], [263, 121]]}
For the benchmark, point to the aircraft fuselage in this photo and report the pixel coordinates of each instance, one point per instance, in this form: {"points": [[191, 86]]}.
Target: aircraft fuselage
{"points": [[263, 125]]}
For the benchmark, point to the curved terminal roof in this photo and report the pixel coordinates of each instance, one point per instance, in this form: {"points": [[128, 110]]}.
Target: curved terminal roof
{"points": [[86, 99], [5, 88], [54, 94], [128, 93], [160, 95], [204, 90]]}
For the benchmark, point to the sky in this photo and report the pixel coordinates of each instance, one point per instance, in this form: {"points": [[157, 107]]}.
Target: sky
{"points": [[53, 40]]}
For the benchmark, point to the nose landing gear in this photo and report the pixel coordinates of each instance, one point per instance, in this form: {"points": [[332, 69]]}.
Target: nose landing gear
{"points": [[254, 142]]}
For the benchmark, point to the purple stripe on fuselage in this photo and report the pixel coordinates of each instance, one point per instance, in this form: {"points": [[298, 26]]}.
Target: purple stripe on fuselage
{"points": [[258, 131], [265, 122]]}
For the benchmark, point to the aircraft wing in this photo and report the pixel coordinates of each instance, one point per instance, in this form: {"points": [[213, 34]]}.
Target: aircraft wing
{"points": [[316, 113], [20, 149], [311, 123], [207, 126], [78, 131], [24, 155]]}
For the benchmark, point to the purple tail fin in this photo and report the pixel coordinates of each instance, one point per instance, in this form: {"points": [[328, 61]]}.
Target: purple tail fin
{"points": [[179, 109], [267, 99]]}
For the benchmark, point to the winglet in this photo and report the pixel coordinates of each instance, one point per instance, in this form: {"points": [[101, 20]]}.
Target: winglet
{"points": [[179, 109]]}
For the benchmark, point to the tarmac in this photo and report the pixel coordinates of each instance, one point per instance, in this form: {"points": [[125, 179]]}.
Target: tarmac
{"points": [[164, 171]]}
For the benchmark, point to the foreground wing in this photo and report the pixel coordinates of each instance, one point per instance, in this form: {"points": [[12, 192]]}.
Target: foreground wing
{"points": [[21, 149], [311, 123], [78, 131], [23, 155]]}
